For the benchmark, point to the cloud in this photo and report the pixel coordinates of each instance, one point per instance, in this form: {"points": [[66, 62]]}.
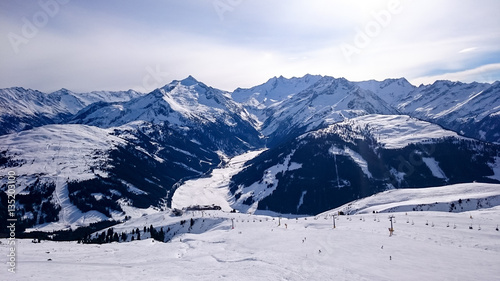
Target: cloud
{"points": [[113, 45], [466, 50], [485, 73]]}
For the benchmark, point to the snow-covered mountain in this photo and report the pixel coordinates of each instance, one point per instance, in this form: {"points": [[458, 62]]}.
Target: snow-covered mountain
{"points": [[74, 102], [457, 198], [199, 112], [359, 157], [179, 131], [390, 90], [330, 141], [22, 109], [328, 101], [472, 109], [277, 89], [73, 175]]}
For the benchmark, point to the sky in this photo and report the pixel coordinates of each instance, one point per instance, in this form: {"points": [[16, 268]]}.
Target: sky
{"points": [[142, 45]]}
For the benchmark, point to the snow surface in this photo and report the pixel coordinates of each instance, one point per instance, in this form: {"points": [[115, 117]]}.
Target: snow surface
{"points": [[212, 189], [433, 165], [398, 131], [263, 188], [495, 166], [425, 246], [27, 102], [408, 198], [390, 90], [56, 153], [452, 101], [328, 101]]}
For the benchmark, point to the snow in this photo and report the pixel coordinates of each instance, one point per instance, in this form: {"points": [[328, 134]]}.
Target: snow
{"points": [[434, 167], [390, 90], [356, 157], [450, 102], [263, 188], [28, 102], [328, 101], [271, 93], [495, 166], [180, 103], [301, 200], [424, 246], [56, 153], [398, 131], [213, 189], [457, 106], [408, 198]]}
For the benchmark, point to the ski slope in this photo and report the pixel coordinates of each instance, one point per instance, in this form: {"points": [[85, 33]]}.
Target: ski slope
{"points": [[398, 131], [465, 197], [426, 245], [213, 189]]}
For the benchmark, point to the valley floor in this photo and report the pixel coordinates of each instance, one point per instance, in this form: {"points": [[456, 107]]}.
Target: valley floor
{"points": [[425, 246]]}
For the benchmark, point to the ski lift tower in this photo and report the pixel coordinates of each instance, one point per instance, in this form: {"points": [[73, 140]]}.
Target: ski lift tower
{"points": [[391, 230]]}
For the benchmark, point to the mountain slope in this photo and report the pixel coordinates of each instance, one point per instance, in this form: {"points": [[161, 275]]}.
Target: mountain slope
{"points": [[22, 109], [274, 91], [391, 91], [328, 101], [330, 141], [472, 109], [356, 158], [456, 198], [77, 174], [424, 246], [191, 108]]}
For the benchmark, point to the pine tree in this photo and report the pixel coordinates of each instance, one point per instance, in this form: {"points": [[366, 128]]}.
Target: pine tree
{"points": [[110, 232], [161, 235]]}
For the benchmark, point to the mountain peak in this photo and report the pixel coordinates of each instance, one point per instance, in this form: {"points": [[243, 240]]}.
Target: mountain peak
{"points": [[189, 81]]}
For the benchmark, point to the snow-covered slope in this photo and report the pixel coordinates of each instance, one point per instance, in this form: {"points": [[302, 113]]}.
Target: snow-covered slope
{"points": [[445, 99], [277, 89], [424, 246], [74, 102], [212, 189], [188, 106], [394, 131], [456, 198], [326, 136], [25, 108], [328, 101], [390, 90], [45, 158], [73, 175], [472, 109], [22, 109], [359, 157]]}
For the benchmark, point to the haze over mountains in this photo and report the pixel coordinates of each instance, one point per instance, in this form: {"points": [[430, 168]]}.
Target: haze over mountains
{"points": [[86, 157]]}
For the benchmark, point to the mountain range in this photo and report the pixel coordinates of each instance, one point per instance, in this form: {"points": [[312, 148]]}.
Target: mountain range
{"points": [[86, 157]]}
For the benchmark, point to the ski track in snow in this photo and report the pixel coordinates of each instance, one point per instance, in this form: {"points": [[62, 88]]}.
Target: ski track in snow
{"points": [[425, 246]]}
